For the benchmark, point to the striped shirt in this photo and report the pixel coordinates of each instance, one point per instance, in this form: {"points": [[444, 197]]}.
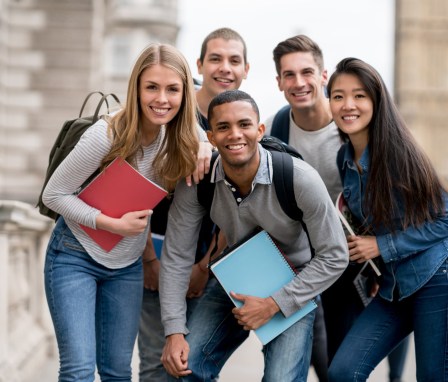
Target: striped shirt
{"points": [[61, 193]]}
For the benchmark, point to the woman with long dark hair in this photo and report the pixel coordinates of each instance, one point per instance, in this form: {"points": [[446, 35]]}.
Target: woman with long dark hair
{"points": [[392, 189]]}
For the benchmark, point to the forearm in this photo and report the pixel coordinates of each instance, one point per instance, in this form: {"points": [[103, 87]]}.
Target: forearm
{"points": [[107, 223], [149, 254], [327, 238], [178, 254], [402, 244]]}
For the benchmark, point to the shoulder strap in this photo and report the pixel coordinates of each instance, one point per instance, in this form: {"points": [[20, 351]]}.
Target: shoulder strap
{"points": [[87, 99], [205, 188], [284, 184], [283, 178], [280, 124], [340, 156], [100, 103], [340, 159]]}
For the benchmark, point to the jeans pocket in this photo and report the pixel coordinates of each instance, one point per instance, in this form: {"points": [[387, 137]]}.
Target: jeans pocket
{"points": [[71, 243], [68, 242]]}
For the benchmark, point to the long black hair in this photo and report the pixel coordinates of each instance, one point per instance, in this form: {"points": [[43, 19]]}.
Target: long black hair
{"points": [[398, 166]]}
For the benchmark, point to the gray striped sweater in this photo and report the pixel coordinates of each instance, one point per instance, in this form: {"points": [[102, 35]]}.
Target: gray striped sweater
{"points": [[61, 193]]}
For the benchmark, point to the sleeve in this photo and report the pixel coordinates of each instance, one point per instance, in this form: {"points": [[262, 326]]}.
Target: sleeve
{"points": [[178, 255], [202, 135], [401, 244], [327, 238], [60, 194]]}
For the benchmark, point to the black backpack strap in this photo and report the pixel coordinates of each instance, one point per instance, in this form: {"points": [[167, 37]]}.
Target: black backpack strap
{"points": [[280, 124], [340, 160], [283, 179], [205, 188]]}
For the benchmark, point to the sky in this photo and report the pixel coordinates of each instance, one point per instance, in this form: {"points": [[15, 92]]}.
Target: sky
{"points": [[356, 28]]}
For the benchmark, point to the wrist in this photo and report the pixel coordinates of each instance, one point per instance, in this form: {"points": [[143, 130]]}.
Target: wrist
{"points": [[203, 267], [149, 260]]}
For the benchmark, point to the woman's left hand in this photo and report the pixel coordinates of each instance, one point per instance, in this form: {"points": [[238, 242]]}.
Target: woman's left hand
{"points": [[362, 248], [203, 164]]}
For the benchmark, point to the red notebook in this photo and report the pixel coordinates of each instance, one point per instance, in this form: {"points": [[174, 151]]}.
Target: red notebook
{"points": [[117, 190]]}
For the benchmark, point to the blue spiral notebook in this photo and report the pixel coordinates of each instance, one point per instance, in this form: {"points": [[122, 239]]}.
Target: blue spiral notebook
{"points": [[258, 268], [157, 242]]}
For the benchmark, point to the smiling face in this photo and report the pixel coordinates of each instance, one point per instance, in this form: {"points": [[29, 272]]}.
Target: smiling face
{"points": [[160, 95], [223, 67], [351, 106], [301, 80], [235, 131]]}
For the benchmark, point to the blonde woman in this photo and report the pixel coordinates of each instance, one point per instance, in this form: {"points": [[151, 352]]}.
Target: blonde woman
{"points": [[95, 296]]}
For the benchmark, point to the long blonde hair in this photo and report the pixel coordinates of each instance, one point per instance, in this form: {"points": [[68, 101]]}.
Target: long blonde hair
{"points": [[177, 157]]}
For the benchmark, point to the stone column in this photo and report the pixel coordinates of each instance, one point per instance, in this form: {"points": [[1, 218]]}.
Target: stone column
{"points": [[421, 74], [26, 333]]}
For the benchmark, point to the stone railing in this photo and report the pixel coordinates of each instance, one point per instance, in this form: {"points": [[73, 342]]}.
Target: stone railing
{"points": [[26, 334]]}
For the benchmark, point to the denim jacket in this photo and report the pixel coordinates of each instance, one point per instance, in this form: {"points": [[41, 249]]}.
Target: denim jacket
{"points": [[410, 256]]}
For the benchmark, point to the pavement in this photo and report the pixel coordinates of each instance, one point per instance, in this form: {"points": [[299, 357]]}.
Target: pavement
{"points": [[246, 365]]}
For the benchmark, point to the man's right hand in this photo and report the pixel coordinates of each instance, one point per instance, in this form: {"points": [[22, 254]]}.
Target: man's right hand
{"points": [[175, 355]]}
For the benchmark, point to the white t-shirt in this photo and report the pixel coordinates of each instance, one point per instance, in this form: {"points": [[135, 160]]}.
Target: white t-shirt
{"points": [[319, 148]]}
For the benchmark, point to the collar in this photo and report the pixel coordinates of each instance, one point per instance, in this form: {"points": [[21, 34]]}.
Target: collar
{"points": [[349, 157], [263, 175]]}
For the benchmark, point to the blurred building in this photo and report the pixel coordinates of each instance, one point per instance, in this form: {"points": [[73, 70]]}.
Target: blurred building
{"points": [[421, 74], [52, 53]]}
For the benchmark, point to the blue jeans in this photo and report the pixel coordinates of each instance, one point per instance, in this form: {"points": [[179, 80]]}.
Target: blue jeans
{"points": [[319, 353], [95, 310], [342, 306], [151, 337], [215, 335], [383, 325]]}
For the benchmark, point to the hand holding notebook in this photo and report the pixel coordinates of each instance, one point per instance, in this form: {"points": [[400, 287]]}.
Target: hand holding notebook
{"points": [[119, 189], [257, 268], [347, 220]]}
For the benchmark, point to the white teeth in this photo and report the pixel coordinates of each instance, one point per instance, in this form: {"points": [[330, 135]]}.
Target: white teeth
{"points": [[300, 94], [235, 147], [350, 118], [226, 80], [160, 111]]}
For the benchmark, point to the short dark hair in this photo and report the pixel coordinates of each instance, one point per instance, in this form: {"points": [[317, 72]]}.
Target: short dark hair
{"points": [[231, 96], [226, 34], [299, 43]]}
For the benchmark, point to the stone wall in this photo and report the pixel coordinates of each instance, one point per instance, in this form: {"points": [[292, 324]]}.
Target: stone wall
{"points": [[52, 53], [421, 74]]}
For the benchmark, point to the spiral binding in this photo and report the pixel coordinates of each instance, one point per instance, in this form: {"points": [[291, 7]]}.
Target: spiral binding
{"points": [[282, 254]]}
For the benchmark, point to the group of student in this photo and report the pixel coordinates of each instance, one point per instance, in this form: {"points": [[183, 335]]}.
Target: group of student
{"points": [[353, 141]]}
